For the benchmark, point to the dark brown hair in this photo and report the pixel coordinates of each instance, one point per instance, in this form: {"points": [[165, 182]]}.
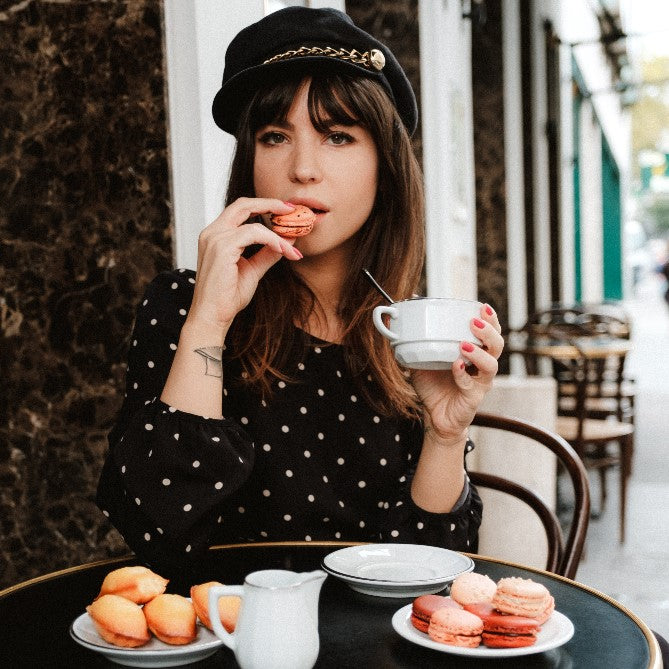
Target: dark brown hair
{"points": [[391, 243]]}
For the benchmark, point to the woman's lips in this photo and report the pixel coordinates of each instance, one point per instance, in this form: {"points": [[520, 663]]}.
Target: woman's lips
{"points": [[315, 205]]}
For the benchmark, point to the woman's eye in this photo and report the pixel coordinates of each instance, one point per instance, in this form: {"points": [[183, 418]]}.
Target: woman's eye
{"points": [[338, 138], [271, 138]]}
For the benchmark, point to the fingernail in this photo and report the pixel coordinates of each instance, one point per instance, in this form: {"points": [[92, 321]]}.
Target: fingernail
{"points": [[462, 365], [488, 310], [478, 323], [289, 204], [298, 253], [466, 346]]}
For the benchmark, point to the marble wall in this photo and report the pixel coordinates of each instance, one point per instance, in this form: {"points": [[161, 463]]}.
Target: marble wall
{"points": [[84, 225]]}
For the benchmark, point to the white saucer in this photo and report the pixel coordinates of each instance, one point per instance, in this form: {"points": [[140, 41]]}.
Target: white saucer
{"points": [[556, 631], [396, 570], [153, 654]]}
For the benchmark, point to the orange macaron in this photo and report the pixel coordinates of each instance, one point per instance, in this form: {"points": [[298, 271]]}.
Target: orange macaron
{"points": [[455, 627], [296, 223]]}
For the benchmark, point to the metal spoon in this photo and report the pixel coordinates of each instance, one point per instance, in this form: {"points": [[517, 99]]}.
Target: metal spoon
{"points": [[372, 280]]}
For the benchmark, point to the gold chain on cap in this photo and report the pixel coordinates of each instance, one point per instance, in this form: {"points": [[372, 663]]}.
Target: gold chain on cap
{"points": [[373, 59]]}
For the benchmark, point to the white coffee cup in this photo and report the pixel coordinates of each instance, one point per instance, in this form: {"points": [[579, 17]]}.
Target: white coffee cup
{"points": [[426, 332]]}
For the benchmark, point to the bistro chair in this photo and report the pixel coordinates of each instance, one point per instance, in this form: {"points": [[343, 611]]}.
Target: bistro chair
{"points": [[595, 397], [554, 324], [601, 442], [569, 319], [563, 556], [607, 391], [610, 391]]}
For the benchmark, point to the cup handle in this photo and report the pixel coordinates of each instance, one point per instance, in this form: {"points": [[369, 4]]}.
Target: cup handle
{"points": [[380, 325], [215, 593]]}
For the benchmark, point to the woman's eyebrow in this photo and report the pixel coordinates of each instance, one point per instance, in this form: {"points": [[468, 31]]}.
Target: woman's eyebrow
{"points": [[348, 122], [284, 124]]}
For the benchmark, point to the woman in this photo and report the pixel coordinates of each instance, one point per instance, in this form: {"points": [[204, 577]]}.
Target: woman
{"points": [[261, 403]]}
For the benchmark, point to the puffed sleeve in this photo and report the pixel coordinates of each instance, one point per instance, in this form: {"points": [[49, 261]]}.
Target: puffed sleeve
{"points": [[167, 473], [456, 530]]}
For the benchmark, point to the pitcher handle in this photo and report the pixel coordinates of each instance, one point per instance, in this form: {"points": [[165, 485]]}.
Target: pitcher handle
{"points": [[215, 593], [380, 325]]}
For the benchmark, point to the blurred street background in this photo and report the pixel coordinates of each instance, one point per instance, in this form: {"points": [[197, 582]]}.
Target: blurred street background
{"points": [[636, 573]]}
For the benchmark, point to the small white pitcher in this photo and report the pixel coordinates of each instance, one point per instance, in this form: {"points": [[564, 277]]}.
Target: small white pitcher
{"points": [[277, 627]]}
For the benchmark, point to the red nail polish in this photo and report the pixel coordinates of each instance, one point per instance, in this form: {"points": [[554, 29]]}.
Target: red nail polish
{"points": [[466, 346], [478, 323], [488, 309], [462, 365]]}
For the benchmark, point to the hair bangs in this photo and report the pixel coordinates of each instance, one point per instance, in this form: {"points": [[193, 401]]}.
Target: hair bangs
{"points": [[330, 105], [272, 104], [330, 102]]}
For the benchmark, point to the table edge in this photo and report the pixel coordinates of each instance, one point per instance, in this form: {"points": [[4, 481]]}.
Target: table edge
{"points": [[62, 572]]}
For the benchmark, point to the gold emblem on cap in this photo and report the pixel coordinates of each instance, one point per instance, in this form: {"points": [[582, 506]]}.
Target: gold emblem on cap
{"points": [[369, 59], [377, 59]]}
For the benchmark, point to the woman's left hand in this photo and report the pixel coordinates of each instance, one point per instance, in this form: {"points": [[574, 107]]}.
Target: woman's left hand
{"points": [[450, 399]]}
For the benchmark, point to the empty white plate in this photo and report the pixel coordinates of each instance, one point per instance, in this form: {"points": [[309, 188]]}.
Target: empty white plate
{"points": [[396, 570]]}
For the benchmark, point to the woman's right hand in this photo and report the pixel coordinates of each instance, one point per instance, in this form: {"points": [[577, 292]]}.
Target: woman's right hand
{"points": [[226, 281]]}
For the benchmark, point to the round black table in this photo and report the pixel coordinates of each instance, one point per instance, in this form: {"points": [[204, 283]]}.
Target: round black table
{"points": [[355, 629]]}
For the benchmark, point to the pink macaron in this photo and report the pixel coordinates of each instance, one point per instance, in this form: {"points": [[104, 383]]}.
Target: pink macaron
{"points": [[455, 627], [523, 597], [471, 588], [424, 606]]}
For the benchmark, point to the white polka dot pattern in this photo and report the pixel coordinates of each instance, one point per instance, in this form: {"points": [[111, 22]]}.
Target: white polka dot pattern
{"points": [[327, 465]]}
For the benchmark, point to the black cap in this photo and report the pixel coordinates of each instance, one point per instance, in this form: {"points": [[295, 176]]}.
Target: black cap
{"points": [[306, 39]]}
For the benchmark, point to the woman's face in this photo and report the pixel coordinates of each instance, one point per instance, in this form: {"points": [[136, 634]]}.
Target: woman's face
{"points": [[332, 172]]}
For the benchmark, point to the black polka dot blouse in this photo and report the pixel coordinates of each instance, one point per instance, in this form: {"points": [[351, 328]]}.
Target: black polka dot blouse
{"points": [[314, 462]]}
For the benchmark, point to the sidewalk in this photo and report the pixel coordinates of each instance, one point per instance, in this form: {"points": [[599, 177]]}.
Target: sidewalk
{"points": [[635, 574]]}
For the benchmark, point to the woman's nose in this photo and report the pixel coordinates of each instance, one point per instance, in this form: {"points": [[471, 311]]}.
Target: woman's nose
{"points": [[305, 165]]}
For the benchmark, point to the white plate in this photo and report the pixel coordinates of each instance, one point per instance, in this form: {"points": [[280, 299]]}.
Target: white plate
{"points": [[153, 654], [396, 570], [556, 631]]}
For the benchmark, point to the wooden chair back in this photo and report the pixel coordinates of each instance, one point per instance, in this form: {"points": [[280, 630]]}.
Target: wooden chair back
{"points": [[563, 555]]}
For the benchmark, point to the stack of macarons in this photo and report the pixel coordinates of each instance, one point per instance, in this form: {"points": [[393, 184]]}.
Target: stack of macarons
{"points": [[506, 614]]}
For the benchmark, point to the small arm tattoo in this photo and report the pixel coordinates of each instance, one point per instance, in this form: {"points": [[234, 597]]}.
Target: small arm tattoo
{"points": [[213, 360]]}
